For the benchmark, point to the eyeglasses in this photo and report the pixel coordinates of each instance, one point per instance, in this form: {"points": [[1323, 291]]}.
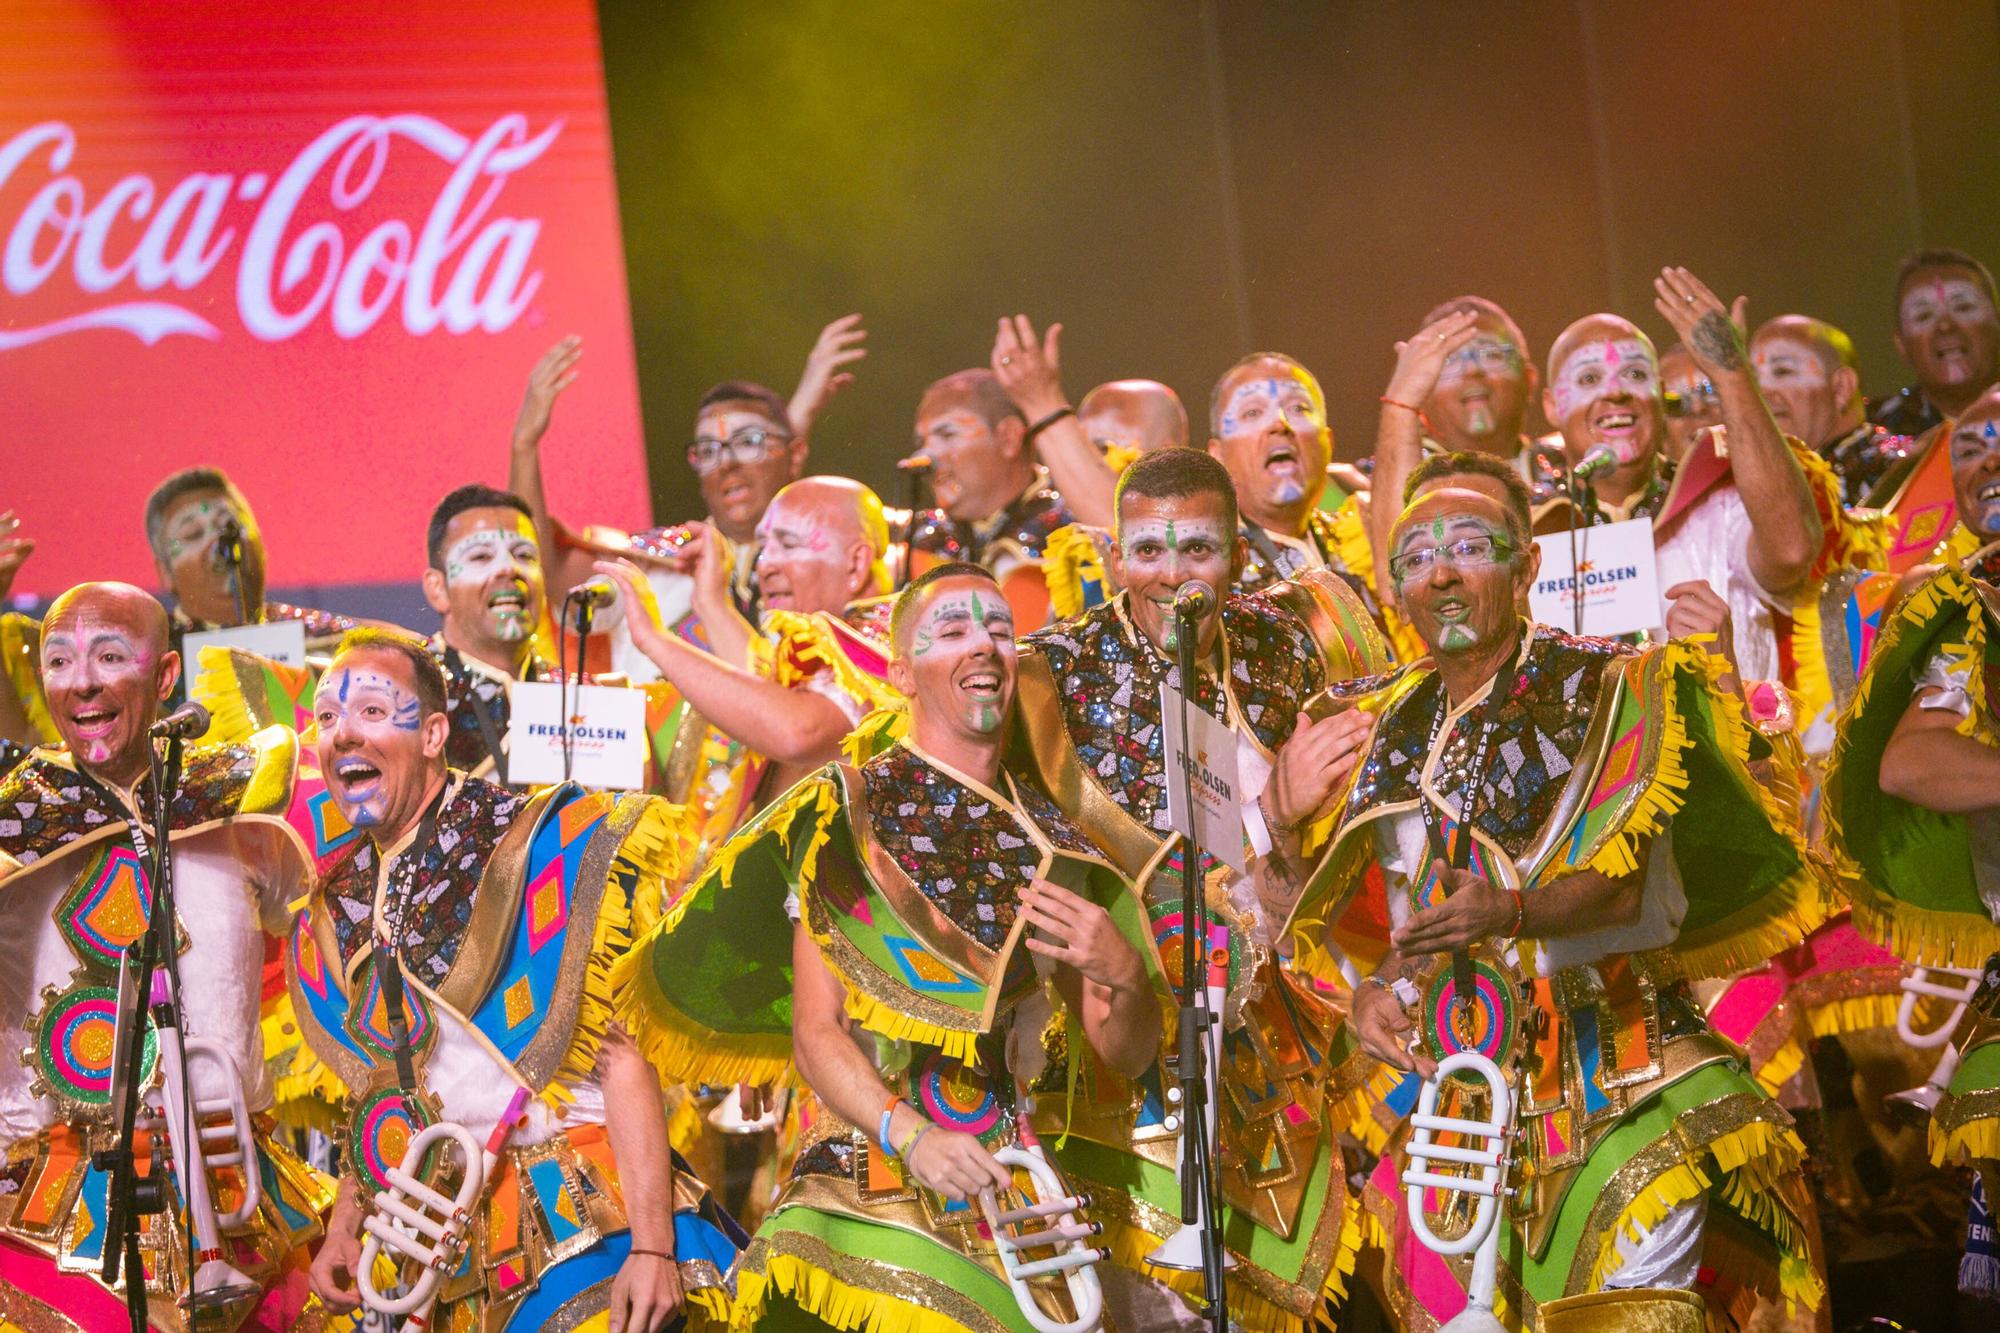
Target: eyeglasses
{"points": [[1465, 553], [1698, 399], [1487, 354], [752, 444]]}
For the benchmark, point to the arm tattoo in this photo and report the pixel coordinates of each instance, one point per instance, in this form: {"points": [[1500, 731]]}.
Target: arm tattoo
{"points": [[1714, 337]]}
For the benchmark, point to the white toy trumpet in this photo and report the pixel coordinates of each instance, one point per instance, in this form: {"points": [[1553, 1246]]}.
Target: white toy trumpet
{"points": [[434, 1232], [1916, 986], [1488, 1184], [200, 1148], [1062, 1238]]}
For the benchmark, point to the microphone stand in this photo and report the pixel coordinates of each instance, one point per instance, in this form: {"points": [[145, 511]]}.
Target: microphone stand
{"points": [[914, 470], [1199, 1196], [133, 1197], [581, 600], [1582, 510], [230, 548]]}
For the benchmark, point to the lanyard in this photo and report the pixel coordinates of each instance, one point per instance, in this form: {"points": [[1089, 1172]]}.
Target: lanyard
{"points": [[388, 961]]}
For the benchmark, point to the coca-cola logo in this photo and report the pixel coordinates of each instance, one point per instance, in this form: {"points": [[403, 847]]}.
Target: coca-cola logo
{"points": [[459, 267]]}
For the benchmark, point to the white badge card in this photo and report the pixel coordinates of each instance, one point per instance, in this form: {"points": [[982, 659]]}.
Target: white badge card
{"points": [[1208, 757], [1619, 573], [607, 735], [282, 641]]}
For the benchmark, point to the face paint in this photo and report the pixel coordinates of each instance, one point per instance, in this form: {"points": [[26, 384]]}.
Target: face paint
{"points": [[803, 559], [1162, 544], [493, 577], [1605, 369], [962, 653], [366, 722], [1975, 470], [1488, 355], [100, 677], [1782, 363], [195, 526], [1454, 573], [1924, 304]]}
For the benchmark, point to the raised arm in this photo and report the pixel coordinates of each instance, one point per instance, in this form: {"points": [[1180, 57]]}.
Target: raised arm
{"points": [[552, 374], [839, 344], [953, 1164], [790, 726], [1399, 437], [1031, 373], [1785, 528]]}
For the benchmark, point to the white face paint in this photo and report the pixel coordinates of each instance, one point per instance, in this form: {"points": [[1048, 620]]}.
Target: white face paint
{"points": [[1926, 303], [1604, 369], [962, 655], [1784, 364], [496, 571], [1973, 447], [1160, 554], [369, 741]]}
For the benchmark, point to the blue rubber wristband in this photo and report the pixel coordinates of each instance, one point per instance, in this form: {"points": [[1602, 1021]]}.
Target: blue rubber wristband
{"points": [[882, 1134]]}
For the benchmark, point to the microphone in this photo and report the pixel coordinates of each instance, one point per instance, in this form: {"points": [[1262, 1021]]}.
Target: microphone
{"points": [[596, 594], [184, 723], [1193, 600], [918, 463], [228, 542], [1601, 458]]}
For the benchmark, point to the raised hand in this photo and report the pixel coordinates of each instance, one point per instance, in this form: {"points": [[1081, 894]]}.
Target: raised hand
{"points": [[1475, 911], [1697, 611], [1313, 764], [552, 374], [14, 551], [1420, 358], [839, 344], [1702, 322], [1029, 370], [1079, 933]]}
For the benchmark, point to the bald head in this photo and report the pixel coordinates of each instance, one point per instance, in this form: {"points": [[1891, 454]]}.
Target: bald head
{"points": [[1830, 344], [124, 603], [106, 668], [822, 542], [1810, 377], [1136, 414], [1601, 327]]}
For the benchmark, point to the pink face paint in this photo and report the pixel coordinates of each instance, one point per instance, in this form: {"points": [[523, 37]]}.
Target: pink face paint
{"points": [[1925, 304], [366, 722], [1784, 364], [1605, 368], [99, 679]]}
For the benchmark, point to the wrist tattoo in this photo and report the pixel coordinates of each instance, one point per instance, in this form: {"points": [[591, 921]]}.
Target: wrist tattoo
{"points": [[1714, 337]]}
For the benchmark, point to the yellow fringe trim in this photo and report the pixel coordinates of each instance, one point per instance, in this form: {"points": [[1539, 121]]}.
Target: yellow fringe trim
{"points": [[1858, 540], [1859, 1014], [218, 687], [1790, 910], [796, 647], [1348, 534], [651, 850], [1973, 1141], [1071, 558], [1360, 1106], [21, 664], [685, 1123], [1776, 1072], [1812, 683], [1249, 1310], [305, 1093], [1916, 934], [879, 1018], [708, 1308], [1751, 1160], [875, 733], [828, 1299]]}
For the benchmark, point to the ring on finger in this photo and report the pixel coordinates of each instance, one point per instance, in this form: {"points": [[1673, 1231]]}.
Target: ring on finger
{"points": [[1008, 360]]}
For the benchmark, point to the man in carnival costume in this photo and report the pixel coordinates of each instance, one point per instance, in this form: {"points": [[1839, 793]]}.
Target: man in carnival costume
{"points": [[1911, 815], [955, 932], [1091, 727], [75, 880], [1619, 844], [454, 965]]}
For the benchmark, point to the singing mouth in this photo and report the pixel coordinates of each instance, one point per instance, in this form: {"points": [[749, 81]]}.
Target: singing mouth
{"points": [[512, 598], [1989, 493], [1283, 458], [981, 684], [357, 777], [92, 723], [734, 490]]}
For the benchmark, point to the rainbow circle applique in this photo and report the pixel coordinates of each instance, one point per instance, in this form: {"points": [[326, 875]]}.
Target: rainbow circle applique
{"points": [[76, 1045], [380, 1133], [1489, 1026], [956, 1097]]}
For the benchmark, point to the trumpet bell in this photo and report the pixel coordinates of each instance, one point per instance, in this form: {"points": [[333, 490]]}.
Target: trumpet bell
{"points": [[1182, 1251], [219, 1286]]}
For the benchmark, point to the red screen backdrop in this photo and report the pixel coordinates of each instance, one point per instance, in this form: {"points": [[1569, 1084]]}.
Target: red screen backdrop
{"points": [[319, 246]]}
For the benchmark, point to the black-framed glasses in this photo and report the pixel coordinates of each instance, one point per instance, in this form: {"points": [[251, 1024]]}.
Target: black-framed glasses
{"points": [[752, 444], [1465, 553]]}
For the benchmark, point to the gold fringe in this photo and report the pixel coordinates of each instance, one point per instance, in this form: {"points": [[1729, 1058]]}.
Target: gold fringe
{"points": [[1070, 557], [1812, 683], [707, 1308], [1751, 1160], [1784, 1064], [898, 1026], [650, 853], [875, 733], [218, 687], [1861, 1013], [833, 1302], [1974, 1141], [1850, 540], [305, 1093], [21, 665], [686, 1125]]}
